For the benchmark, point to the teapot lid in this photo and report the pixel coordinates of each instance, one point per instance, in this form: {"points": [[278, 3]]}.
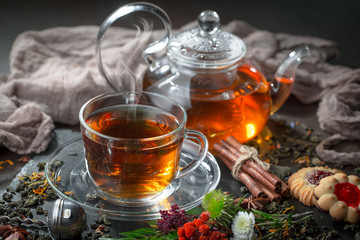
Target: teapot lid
{"points": [[206, 46]]}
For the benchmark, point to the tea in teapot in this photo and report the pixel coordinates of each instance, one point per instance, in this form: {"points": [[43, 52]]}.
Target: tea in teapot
{"points": [[204, 69]]}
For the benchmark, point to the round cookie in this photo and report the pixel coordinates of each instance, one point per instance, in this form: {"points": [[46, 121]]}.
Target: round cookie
{"points": [[303, 182], [340, 195]]}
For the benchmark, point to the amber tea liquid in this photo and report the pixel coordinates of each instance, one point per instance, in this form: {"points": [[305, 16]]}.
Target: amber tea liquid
{"points": [[238, 107], [134, 167]]}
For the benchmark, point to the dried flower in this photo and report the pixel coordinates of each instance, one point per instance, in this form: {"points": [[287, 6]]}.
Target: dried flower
{"points": [[200, 228], [204, 229], [24, 159], [190, 229], [243, 226], [171, 219], [205, 216], [12, 232]]}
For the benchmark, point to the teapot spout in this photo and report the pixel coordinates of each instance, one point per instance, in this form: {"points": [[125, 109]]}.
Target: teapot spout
{"points": [[284, 77]]}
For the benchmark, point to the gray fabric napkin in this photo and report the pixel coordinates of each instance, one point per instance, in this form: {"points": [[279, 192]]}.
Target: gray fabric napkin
{"points": [[53, 73]]}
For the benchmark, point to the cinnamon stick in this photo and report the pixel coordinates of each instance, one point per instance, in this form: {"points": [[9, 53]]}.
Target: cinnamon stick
{"points": [[273, 196], [253, 187], [272, 178], [260, 178], [225, 153], [230, 148], [252, 169], [252, 175], [235, 143], [281, 187]]}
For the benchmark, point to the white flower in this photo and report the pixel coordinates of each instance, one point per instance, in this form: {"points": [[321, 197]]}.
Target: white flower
{"points": [[243, 226]]}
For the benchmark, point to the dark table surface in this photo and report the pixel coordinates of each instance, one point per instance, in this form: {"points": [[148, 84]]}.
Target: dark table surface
{"points": [[334, 20]]}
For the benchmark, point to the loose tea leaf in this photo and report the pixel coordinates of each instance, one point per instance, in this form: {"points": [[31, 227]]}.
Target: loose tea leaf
{"points": [[5, 161], [296, 141]]}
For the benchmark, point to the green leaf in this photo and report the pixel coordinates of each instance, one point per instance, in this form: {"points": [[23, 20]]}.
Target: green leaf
{"points": [[289, 219], [195, 211], [126, 238], [152, 223], [172, 235], [139, 233], [133, 234], [146, 231], [240, 201]]}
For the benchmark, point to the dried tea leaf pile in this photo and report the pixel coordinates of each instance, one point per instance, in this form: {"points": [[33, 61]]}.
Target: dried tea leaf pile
{"points": [[26, 199]]}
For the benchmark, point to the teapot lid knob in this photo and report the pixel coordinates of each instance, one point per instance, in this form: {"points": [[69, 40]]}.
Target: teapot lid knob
{"points": [[206, 46], [209, 22]]}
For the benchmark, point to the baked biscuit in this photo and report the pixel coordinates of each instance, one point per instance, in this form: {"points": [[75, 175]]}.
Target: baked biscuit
{"points": [[340, 195], [303, 182]]}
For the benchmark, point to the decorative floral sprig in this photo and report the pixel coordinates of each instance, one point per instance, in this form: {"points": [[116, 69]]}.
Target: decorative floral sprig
{"points": [[221, 217], [243, 225], [172, 219]]}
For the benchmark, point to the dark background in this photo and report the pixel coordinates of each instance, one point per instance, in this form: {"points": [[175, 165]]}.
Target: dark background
{"points": [[336, 20]]}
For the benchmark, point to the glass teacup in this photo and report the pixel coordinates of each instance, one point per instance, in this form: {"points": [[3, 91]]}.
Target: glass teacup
{"points": [[132, 143]]}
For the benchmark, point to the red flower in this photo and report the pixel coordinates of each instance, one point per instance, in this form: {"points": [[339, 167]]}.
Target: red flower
{"points": [[204, 229], [190, 229], [199, 229], [181, 232], [216, 235], [205, 216], [198, 222]]}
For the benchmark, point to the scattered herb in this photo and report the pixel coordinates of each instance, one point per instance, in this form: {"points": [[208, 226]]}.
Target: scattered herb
{"points": [[32, 190], [24, 159], [54, 165], [40, 210], [35, 235], [290, 145], [41, 166], [7, 197], [12, 232], [5, 161]]}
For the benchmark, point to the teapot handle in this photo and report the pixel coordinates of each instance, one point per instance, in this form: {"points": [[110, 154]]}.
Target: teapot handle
{"points": [[150, 49]]}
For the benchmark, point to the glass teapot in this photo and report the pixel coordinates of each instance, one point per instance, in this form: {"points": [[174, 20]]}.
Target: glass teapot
{"points": [[204, 69]]}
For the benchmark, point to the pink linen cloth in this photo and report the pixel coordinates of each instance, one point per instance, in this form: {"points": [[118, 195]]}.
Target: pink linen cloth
{"points": [[53, 73]]}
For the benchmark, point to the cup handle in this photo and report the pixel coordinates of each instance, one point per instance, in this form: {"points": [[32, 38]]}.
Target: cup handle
{"points": [[203, 148]]}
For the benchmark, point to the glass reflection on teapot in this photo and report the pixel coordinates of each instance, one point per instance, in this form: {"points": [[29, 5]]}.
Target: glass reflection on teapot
{"points": [[204, 69]]}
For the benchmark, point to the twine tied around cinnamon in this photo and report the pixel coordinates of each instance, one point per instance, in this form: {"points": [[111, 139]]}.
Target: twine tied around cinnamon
{"points": [[246, 166], [247, 153]]}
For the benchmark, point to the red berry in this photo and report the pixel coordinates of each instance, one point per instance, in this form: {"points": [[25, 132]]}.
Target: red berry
{"points": [[205, 216], [204, 238], [215, 235], [198, 222], [204, 229], [181, 232], [189, 229]]}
